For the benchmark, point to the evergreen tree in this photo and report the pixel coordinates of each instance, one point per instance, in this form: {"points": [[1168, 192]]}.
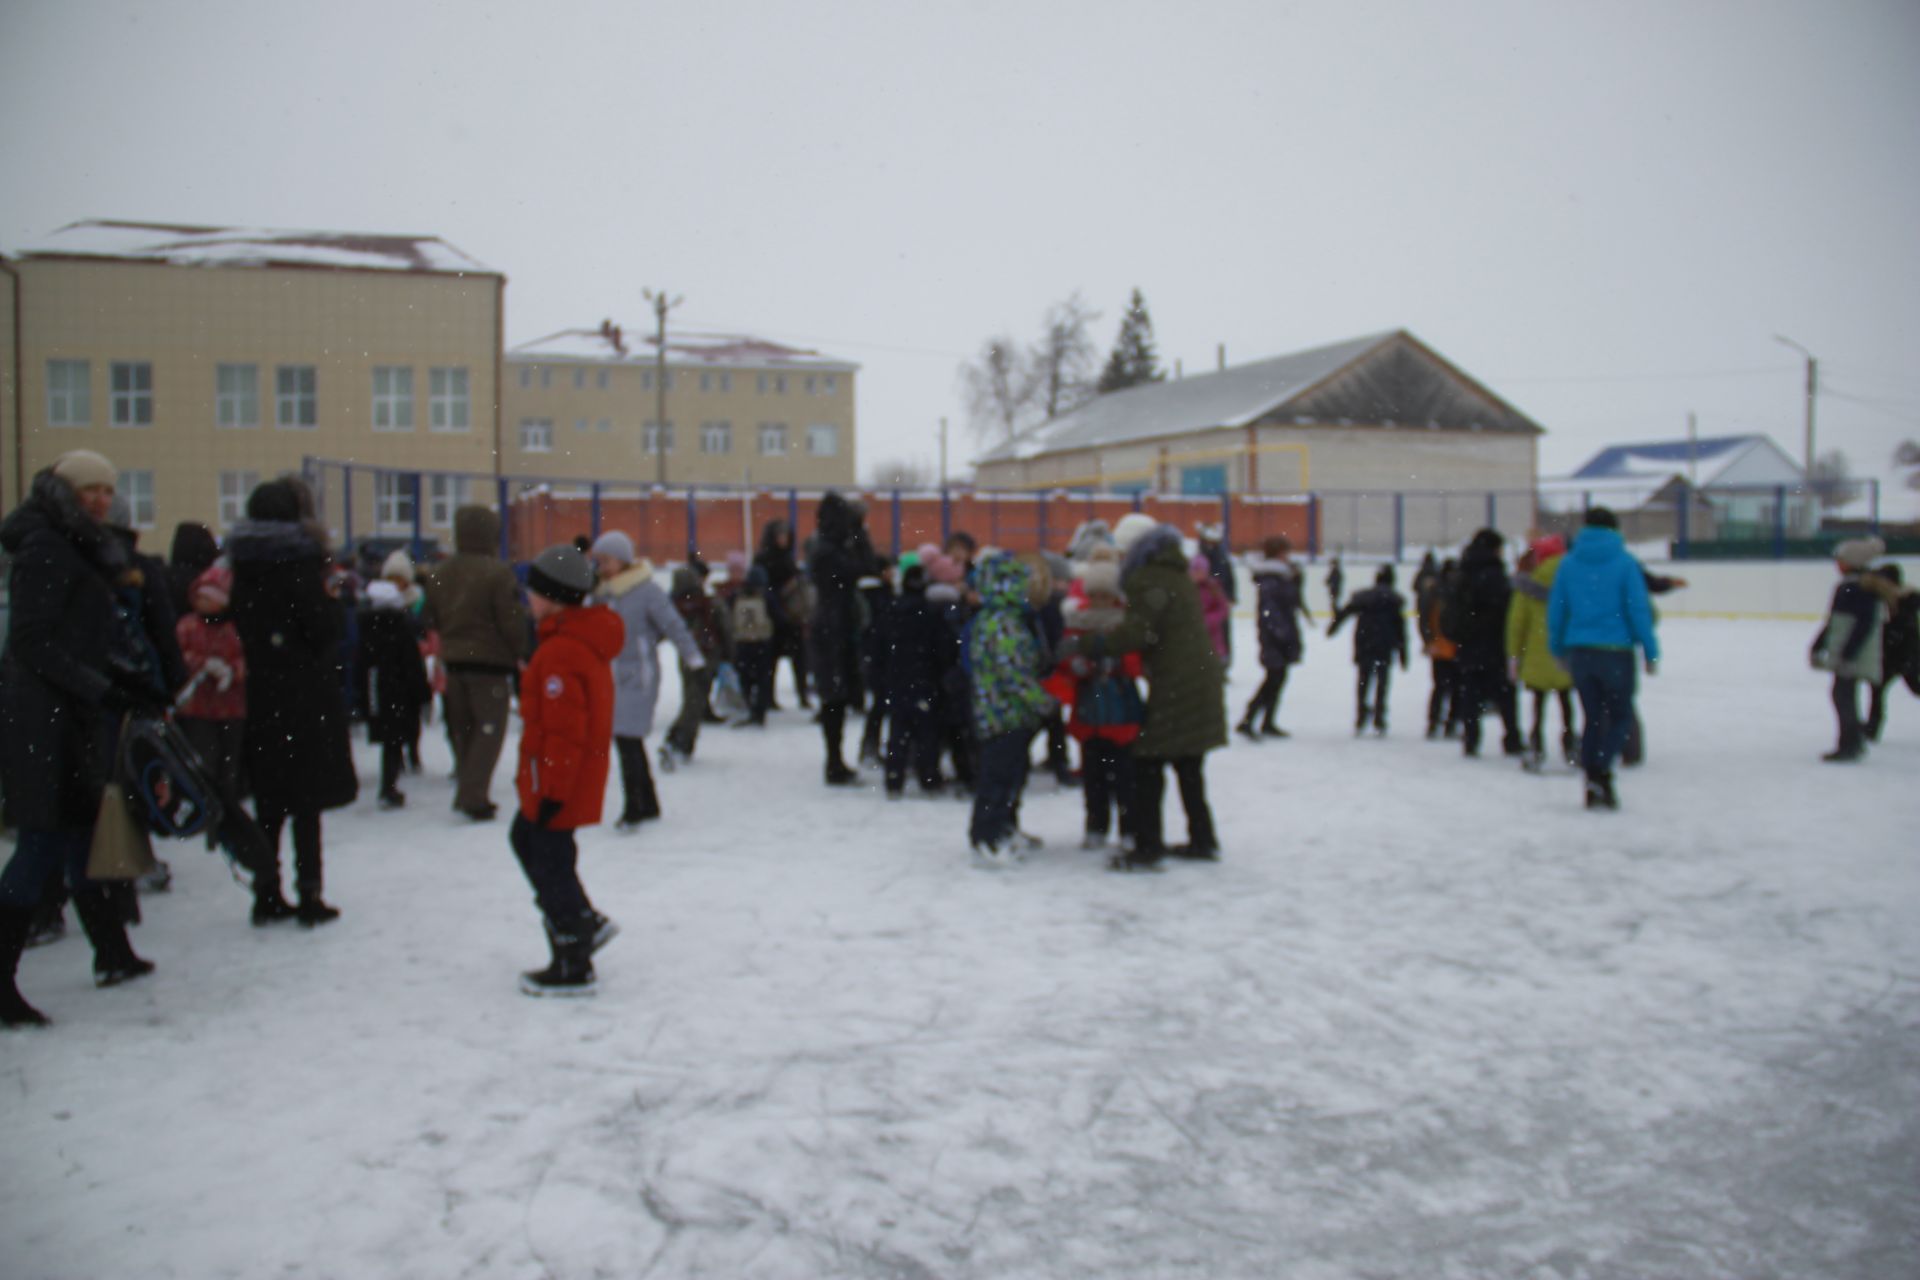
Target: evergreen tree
{"points": [[1133, 361]]}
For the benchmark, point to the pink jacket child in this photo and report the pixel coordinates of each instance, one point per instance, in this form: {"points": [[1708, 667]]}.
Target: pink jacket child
{"points": [[211, 645], [1215, 608]]}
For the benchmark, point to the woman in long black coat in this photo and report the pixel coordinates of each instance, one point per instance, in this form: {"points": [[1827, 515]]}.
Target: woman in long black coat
{"points": [[789, 632], [298, 754], [839, 556], [1475, 619], [67, 678]]}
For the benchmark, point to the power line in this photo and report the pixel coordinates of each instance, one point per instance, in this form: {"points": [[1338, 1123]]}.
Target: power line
{"points": [[1645, 377]]}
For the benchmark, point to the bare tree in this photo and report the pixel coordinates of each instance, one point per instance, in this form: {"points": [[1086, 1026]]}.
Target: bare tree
{"points": [[1906, 458], [1000, 388], [1065, 360], [899, 473], [1833, 480]]}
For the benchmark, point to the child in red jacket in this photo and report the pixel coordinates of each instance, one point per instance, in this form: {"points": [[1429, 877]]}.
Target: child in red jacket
{"points": [[213, 712], [1104, 700], [566, 706]]}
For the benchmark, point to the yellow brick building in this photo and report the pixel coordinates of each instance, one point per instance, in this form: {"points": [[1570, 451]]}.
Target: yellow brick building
{"points": [[202, 360], [585, 403]]}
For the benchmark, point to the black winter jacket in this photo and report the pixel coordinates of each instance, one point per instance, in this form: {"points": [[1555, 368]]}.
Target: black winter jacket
{"points": [[1380, 625], [1476, 614]]}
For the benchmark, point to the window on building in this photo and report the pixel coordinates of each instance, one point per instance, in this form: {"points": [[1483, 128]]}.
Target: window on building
{"points": [[296, 402], [579, 379], [600, 379], [716, 437], [580, 424], [132, 388], [760, 383], [603, 426], [646, 379], [812, 387], [706, 382], [446, 495], [393, 493], [773, 439], [652, 438], [235, 488], [449, 407], [526, 375], [832, 384], [392, 398], [137, 488], [823, 440], [236, 395], [69, 400], [546, 378], [536, 435]]}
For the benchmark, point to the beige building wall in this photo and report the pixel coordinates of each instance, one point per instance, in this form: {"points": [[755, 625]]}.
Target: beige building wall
{"points": [[10, 485], [186, 322], [600, 410]]}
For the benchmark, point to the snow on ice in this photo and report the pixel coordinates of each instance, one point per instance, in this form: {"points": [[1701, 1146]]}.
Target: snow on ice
{"points": [[1428, 1018]]}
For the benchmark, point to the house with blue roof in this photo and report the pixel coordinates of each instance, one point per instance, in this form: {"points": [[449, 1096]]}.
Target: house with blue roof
{"points": [[1733, 485]]}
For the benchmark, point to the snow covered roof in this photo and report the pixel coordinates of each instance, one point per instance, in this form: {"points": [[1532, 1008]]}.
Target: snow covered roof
{"points": [[1242, 395], [1623, 493], [1703, 462], [615, 344], [254, 247]]}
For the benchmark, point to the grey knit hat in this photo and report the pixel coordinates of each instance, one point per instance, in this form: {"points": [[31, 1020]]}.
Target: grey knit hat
{"points": [[561, 574], [1858, 553]]}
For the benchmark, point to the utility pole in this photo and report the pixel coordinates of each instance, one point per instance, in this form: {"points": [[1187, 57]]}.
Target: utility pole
{"points": [[661, 305], [1813, 390], [943, 455]]}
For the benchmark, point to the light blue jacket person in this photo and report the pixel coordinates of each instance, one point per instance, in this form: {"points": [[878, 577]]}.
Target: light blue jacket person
{"points": [[1599, 599]]}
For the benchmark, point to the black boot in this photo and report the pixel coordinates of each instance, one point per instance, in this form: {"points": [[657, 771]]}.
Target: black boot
{"points": [[1246, 730], [313, 912], [570, 973], [271, 908], [113, 959], [14, 1009]]}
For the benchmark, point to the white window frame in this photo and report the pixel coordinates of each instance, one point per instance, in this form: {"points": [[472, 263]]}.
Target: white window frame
{"points": [[132, 404], [774, 434], [393, 397], [579, 379], [449, 399], [536, 435], [235, 488], [716, 437], [600, 379], [526, 376], [137, 488], [69, 393], [603, 426], [819, 431], [236, 396], [446, 495], [831, 384], [301, 402], [393, 500], [650, 435]]}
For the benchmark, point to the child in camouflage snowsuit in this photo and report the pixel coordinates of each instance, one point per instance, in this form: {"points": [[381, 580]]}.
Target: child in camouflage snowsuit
{"points": [[1003, 654]]}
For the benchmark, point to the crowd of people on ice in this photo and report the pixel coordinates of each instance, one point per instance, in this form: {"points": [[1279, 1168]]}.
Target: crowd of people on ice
{"points": [[266, 649]]}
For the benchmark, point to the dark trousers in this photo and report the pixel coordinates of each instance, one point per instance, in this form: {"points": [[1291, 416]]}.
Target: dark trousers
{"points": [[1604, 680], [1373, 675], [393, 760], [1150, 789], [221, 746], [1537, 735], [477, 705], [999, 776], [791, 644], [1106, 775], [1482, 688], [694, 687], [1876, 710], [1266, 699], [753, 659], [833, 731], [1059, 764], [37, 858], [957, 739], [1443, 704], [913, 740], [308, 871], [636, 780], [550, 860], [1846, 706], [874, 731]]}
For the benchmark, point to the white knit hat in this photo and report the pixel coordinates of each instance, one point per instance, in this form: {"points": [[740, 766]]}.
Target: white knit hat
{"points": [[83, 468], [1858, 553], [1131, 529], [615, 544], [398, 565]]}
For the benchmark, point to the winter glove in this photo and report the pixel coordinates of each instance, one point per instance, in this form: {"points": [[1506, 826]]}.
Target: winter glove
{"points": [[549, 810], [221, 674], [1653, 667]]}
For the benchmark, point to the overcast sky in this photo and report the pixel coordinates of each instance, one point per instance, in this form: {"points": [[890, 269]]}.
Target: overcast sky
{"points": [[1603, 211]]}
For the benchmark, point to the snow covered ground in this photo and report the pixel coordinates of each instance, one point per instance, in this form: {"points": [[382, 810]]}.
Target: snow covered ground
{"points": [[1427, 1019]]}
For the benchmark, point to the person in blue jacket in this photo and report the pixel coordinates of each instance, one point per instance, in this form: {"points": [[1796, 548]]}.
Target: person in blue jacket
{"points": [[1598, 613]]}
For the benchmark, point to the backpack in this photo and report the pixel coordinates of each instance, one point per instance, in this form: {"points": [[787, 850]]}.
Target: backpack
{"points": [[752, 624], [796, 601]]}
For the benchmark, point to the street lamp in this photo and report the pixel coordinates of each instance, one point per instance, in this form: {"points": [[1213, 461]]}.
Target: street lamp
{"points": [[661, 305], [1813, 388]]}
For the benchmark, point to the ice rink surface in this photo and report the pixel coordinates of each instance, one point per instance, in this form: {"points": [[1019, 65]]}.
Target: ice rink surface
{"points": [[1428, 1018]]}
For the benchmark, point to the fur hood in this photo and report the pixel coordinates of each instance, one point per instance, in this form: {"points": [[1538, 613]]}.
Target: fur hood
{"points": [[52, 507], [1160, 543], [627, 579], [274, 542]]}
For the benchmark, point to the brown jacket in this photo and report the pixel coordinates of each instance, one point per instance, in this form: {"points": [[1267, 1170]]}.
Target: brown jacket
{"points": [[473, 599]]}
